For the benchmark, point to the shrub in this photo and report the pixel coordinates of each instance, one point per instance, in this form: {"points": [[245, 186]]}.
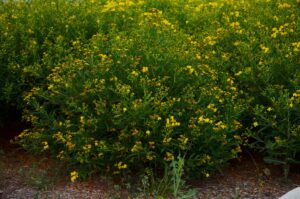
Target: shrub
{"points": [[35, 36], [109, 84], [138, 96], [276, 127]]}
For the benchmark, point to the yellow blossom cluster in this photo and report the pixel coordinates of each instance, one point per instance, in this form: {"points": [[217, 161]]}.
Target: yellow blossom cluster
{"points": [[120, 5], [296, 46], [172, 122], [45, 145], [74, 176], [137, 147], [264, 48], [284, 5], [203, 120], [219, 125], [169, 156], [150, 157], [283, 30], [210, 40], [121, 165], [295, 99]]}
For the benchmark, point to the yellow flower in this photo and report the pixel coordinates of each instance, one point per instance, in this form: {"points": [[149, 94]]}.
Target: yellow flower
{"points": [[284, 5], [255, 124], [151, 144], [50, 87], [212, 107], [190, 69], [145, 69], [237, 124], [233, 88], [277, 140], [61, 155], [82, 119], [237, 14], [59, 137], [70, 145], [171, 122], [30, 31], [150, 157], [264, 49], [237, 137], [148, 132], [198, 56], [46, 146], [166, 140], [169, 156], [116, 172], [87, 148], [137, 147], [202, 119], [100, 155], [237, 43], [155, 117], [238, 149], [269, 109], [221, 125], [183, 139], [210, 40], [134, 132], [74, 176], [274, 34], [122, 166], [134, 73], [235, 24]]}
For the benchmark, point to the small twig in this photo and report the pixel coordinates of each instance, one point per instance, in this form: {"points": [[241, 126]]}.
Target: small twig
{"points": [[253, 160]]}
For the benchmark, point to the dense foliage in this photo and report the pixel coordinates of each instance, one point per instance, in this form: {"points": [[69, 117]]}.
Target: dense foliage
{"points": [[131, 84]]}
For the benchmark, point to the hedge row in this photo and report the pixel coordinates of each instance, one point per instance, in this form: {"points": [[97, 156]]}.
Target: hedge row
{"points": [[121, 85]]}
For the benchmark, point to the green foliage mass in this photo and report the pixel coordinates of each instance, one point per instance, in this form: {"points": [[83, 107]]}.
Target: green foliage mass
{"points": [[120, 85]]}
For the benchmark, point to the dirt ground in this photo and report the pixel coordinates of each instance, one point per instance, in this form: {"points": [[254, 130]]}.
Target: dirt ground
{"points": [[25, 176]]}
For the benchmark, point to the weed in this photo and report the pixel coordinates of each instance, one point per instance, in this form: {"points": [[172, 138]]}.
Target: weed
{"points": [[41, 178], [34, 177], [171, 183]]}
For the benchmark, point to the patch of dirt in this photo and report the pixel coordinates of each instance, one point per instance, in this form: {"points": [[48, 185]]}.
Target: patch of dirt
{"points": [[247, 178], [25, 176]]}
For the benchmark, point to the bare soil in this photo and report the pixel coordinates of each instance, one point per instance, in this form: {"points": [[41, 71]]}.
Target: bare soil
{"points": [[26, 176]]}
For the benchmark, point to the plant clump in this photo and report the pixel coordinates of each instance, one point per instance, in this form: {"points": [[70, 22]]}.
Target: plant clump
{"points": [[125, 85]]}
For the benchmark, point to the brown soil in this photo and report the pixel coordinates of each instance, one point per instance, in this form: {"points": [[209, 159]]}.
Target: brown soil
{"points": [[23, 175]]}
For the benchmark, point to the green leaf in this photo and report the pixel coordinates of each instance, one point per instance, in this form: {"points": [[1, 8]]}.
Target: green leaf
{"points": [[273, 161]]}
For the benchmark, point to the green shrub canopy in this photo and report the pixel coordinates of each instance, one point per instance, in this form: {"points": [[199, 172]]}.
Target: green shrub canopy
{"points": [[128, 84]]}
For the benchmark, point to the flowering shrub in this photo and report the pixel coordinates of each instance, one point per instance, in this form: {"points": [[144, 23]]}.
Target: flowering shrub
{"points": [[114, 110], [34, 37], [112, 83], [276, 127]]}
